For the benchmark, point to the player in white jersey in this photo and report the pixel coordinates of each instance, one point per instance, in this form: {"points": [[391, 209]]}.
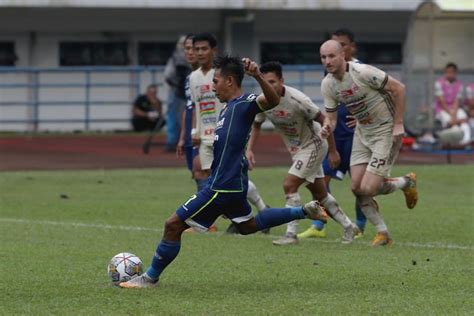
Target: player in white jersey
{"points": [[298, 119], [377, 101], [207, 109]]}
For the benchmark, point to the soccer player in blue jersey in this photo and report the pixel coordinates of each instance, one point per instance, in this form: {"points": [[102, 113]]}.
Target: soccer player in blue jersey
{"points": [[225, 192], [337, 163]]}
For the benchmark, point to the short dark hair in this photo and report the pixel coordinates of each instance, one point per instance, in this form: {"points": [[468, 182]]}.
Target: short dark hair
{"points": [[230, 66], [189, 36], [152, 86], [451, 65], [206, 37], [345, 32], [272, 66]]}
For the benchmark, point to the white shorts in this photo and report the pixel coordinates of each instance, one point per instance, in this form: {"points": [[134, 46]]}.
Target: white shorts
{"points": [[206, 156], [377, 150], [308, 162]]}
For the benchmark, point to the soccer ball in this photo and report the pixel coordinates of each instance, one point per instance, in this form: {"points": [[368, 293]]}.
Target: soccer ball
{"points": [[124, 266]]}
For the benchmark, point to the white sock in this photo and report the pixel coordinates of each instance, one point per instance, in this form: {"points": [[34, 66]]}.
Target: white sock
{"points": [[292, 200], [336, 212], [254, 197], [371, 210], [390, 185]]}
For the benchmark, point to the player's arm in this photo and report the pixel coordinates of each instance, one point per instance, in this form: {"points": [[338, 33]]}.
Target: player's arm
{"points": [[397, 90], [330, 103], [254, 135], [195, 118], [333, 156], [180, 145], [270, 98]]}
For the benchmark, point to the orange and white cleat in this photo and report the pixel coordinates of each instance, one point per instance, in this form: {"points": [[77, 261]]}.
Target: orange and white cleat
{"points": [[382, 239], [410, 191], [140, 282]]}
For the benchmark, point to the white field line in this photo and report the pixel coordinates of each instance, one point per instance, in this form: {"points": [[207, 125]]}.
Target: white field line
{"points": [[435, 245]]}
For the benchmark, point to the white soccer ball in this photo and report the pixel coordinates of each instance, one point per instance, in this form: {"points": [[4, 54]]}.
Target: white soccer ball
{"points": [[124, 266]]}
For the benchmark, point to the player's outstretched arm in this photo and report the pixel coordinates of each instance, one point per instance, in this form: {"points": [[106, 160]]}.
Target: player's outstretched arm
{"points": [[333, 155], [397, 90], [270, 97], [329, 124]]}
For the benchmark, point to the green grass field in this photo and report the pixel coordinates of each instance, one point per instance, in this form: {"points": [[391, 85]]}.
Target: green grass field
{"points": [[55, 250]]}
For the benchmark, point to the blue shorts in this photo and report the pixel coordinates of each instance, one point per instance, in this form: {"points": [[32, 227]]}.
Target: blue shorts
{"points": [[344, 148], [190, 152], [202, 209]]}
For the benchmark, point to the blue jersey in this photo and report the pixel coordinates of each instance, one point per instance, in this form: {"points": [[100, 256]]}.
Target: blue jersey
{"points": [[230, 166], [342, 131], [188, 114]]}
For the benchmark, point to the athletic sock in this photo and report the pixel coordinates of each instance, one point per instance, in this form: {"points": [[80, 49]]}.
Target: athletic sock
{"points": [[271, 217], [371, 211], [164, 255], [361, 220], [318, 224], [331, 205], [292, 200], [390, 185], [200, 183], [254, 197]]}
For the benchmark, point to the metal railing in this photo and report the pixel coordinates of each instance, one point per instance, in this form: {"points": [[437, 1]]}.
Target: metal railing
{"points": [[38, 85]]}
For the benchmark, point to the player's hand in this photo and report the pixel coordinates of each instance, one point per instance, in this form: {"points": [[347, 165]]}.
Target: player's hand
{"points": [[251, 68], [325, 131], [251, 159], [351, 121], [196, 140], [398, 132], [334, 159], [180, 148]]}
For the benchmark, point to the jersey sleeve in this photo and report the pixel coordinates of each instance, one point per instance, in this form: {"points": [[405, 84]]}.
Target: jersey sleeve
{"points": [[330, 102], [371, 76], [309, 109]]}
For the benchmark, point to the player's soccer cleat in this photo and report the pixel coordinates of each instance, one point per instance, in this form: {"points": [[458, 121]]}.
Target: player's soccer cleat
{"points": [[212, 229], [350, 233], [382, 239], [312, 232], [410, 191], [314, 210], [140, 282], [288, 239], [359, 234]]}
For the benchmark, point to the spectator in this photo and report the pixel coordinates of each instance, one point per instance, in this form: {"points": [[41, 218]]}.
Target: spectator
{"points": [[453, 119], [146, 111], [176, 71]]}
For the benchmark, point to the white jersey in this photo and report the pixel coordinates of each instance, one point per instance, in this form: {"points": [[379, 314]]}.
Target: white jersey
{"points": [[294, 118], [361, 90], [206, 103]]}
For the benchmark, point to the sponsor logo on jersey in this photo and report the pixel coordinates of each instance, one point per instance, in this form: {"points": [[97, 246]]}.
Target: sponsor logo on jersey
{"points": [[205, 88], [207, 108], [350, 92], [209, 132], [209, 120], [280, 113], [220, 123]]}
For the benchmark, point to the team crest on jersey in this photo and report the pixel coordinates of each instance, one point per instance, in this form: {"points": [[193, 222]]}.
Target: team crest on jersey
{"points": [[205, 88]]}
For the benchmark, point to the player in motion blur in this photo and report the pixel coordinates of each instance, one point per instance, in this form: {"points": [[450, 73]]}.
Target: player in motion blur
{"points": [[207, 108], [337, 163], [225, 192], [296, 119], [377, 101]]}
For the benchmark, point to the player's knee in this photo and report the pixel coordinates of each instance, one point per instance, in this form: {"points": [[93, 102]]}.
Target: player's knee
{"points": [[367, 190], [174, 226], [289, 187], [355, 187]]}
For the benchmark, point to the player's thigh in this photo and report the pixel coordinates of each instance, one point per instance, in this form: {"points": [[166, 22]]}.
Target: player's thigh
{"points": [[357, 174], [201, 209], [206, 156], [291, 183], [307, 163]]}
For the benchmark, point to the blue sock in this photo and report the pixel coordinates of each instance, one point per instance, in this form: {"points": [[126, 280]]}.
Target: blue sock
{"points": [[318, 224], [361, 220], [201, 183], [271, 217], [164, 255]]}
